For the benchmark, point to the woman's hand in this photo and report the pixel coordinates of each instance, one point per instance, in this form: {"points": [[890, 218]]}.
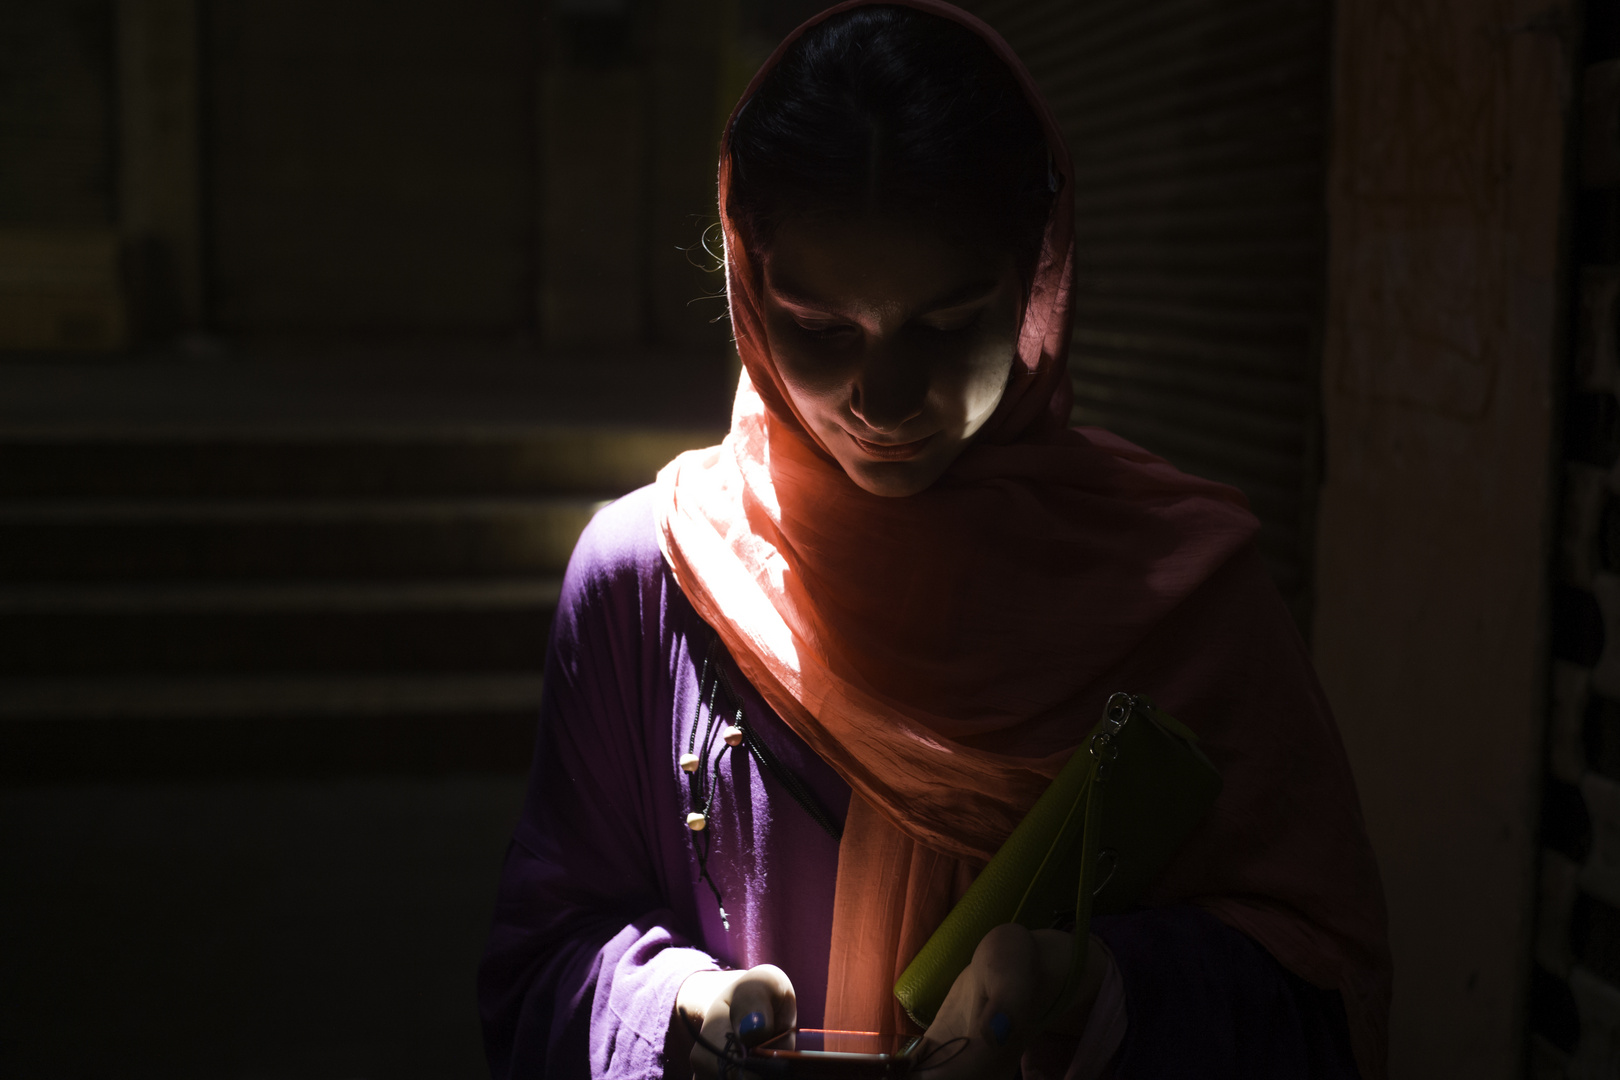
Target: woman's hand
{"points": [[756, 1004], [997, 1004]]}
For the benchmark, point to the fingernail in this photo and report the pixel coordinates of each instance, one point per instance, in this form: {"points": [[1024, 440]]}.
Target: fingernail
{"points": [[751, 1024], [1000, 1027]]}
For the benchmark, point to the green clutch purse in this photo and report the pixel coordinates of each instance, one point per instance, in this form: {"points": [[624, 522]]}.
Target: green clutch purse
{"points": [[1100, 834]]}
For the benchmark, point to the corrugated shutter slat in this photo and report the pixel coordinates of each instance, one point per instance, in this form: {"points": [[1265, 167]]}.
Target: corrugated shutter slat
{"points": [[1198, 129]]}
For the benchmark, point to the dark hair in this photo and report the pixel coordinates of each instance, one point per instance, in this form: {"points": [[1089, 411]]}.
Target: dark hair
{"points": [[892, 112]]}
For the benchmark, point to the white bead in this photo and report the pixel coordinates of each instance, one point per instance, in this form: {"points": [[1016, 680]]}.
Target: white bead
{"points": [[696, 821], [689, 763], [732, 734]]}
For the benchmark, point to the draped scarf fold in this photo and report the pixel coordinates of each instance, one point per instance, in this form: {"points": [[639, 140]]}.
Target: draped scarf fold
{"points": [[946, 652]]}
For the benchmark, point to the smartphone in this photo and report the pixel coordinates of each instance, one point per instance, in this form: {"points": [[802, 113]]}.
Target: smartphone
{"points": [[815, 1052]]}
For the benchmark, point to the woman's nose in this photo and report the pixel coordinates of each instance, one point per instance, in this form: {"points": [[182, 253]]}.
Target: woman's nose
{"points": [[887, 394]]}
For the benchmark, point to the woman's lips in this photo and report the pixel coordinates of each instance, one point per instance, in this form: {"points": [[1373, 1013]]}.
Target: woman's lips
{"points": [[891, 451]]}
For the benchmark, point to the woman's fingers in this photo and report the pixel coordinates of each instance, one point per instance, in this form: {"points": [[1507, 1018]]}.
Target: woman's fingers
{"points": [[694, 1005], [1055, 948], [755, 1005], [762, 1004], [990, 1012], [703, 1060], [1008, 970], [715, 1029], [950, 1049]]}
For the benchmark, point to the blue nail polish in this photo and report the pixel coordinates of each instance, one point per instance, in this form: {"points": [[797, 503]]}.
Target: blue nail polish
{"points": [[751, 1024], [1000, 1027]]}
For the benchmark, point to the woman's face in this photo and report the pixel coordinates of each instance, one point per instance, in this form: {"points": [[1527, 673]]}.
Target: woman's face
{"points": [[893, 343]]}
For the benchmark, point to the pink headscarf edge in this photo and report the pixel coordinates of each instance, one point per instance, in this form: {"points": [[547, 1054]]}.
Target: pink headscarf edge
{"points": [[1039, 395]]}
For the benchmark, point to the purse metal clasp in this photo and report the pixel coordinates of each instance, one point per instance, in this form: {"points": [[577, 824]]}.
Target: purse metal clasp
{"points": [[1104, 746]]}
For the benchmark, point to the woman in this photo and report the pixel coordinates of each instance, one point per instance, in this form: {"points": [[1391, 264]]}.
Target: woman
{"points": [[802, 688]]}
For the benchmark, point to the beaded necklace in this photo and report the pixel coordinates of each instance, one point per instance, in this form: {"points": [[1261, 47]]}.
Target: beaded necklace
{"points": [[704, 784]]}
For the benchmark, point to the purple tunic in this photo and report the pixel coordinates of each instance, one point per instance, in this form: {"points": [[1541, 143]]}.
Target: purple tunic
{"points": [[602, 913]]}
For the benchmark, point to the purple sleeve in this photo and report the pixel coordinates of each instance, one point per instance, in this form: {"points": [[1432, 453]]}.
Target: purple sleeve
{"points": [[587, 950], [1205, 1000]]}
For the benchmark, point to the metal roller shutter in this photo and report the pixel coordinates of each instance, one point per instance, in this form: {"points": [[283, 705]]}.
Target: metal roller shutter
{"points": [[370, 167], [1198, 129]]}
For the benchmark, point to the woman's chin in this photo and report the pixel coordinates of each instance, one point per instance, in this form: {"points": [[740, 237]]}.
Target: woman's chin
{"points": [[894, 479]]}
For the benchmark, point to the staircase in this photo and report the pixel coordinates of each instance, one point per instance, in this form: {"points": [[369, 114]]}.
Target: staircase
{"points": [[336, 599]]}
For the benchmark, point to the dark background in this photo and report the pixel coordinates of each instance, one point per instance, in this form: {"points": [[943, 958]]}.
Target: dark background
{"points": [[324, 328]]}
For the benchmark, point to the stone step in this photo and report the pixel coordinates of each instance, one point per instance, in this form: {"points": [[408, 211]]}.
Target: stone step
{"points": [[241, 628], [207, 728], [279, 559], [87, 540], [268, 697], [303, 464]]}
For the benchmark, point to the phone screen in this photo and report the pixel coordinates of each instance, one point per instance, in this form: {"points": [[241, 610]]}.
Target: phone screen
{"points": [[818, 1041]]}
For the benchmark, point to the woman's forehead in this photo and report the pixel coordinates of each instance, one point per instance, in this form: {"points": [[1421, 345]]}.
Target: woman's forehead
{"points": [[825, 262]]}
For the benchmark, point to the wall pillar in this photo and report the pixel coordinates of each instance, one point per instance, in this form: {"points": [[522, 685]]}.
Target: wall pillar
{"points": [[1439, 376], [158, 181]]}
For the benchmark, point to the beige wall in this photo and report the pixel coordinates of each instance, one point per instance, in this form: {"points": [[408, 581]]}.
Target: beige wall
{"points": [[629, 157], [1439, 379]]}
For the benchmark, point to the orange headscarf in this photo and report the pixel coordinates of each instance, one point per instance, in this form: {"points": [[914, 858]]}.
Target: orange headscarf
{"points": [[946, 652]]}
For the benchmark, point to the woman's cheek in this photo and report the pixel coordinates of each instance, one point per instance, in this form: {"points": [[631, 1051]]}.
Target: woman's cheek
{"points": [[985, 379], [814, 387]]}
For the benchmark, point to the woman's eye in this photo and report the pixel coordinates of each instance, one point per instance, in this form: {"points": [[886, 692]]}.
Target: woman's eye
{"points": [[825, 330], [954, 324]]}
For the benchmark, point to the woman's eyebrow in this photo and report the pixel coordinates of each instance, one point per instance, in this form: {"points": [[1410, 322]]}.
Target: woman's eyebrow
{"points": [[965, 294], [794, 296]]}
